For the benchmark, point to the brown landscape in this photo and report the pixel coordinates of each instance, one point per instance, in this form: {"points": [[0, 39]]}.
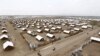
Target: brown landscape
{"points": [[49, 36]]}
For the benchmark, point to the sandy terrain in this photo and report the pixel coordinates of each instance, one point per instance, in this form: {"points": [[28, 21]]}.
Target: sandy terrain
{"points": [[62, 47]]}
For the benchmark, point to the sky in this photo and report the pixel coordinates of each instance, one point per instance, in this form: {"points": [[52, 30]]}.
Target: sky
{"points": [[50, 7]]}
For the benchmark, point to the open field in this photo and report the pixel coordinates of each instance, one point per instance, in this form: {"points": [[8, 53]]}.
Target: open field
{"points": [[43, 37]]}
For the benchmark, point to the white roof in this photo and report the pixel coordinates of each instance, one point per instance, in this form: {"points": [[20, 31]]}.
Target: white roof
{"points": [[3, 27], [84, 26], [46, 29], [89, 26], [7, 43], [95, 39], [66, 31], [58, 27], [39, 30], [99, 33], [77, 29], [38, 26], [72, 25], [38, 37], [3, 36], [23, 29], [53, 28], [49, 35], [4, 31], [29, 32]]}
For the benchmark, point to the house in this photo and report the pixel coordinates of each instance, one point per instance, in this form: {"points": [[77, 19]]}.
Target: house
{"points": [[76, 29], [39, 38], [95, 39], [58, 27], [38, 27], [8, 45], [66, 31], [4, 31], [4, 36], [50, 35], [29, 32], [39, 30], [46, 30], [23, 29], [84, 27], [53, 28], [99, 33], [3, 28]]}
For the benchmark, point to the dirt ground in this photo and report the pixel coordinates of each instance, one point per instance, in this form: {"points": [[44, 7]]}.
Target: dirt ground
{"points": [[92, 49], [62, 47]]}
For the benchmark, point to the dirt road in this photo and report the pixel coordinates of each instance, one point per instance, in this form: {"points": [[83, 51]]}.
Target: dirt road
{"points": [[67, 45], [62, 47]]}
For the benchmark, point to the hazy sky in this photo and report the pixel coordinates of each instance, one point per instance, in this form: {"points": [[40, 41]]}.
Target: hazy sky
{"points": [[50, 7]]}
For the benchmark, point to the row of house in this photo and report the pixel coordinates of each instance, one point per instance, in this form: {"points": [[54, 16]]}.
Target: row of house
{"points": [[7, 45]]}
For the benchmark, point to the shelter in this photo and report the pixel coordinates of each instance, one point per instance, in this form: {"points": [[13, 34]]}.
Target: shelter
{"points": [[76, 29], [84, 27], [8, 45], [39, 30], [95, 39], [46, 30], [66, 31], [50, 35], [4, 31], [29, 32], [4, 36], [39, 38]]}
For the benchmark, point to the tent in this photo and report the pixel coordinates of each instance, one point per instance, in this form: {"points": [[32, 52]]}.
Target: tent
{"points": [[39, 38], [4, 31], [99, 33], [3, 28], [4, 36], [58, 27], [66, 31], [77, 29], [50, 35], [23, 29], [29, 32], [84, 27], [39, 30], [46, 29], [8, 45], [95, 39]]}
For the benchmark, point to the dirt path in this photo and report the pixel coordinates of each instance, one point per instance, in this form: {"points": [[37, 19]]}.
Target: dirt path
{"points": [[21, 47], [63, 47], [66, 45]]}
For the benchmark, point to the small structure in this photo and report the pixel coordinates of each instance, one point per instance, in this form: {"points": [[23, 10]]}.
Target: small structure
{"points": [[50, 35], [18, 26], [29, 32], [84, 27], [95, 39], [58, 27], [76, 29], [4, 31], [39, 38], [46, 30], [23, 29], [99, 33], [8, 45], [66, 31], [4, 36], [39, 30], [72, 25], [90, 26], [38, 27], [53, 28], [3, 28]]}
